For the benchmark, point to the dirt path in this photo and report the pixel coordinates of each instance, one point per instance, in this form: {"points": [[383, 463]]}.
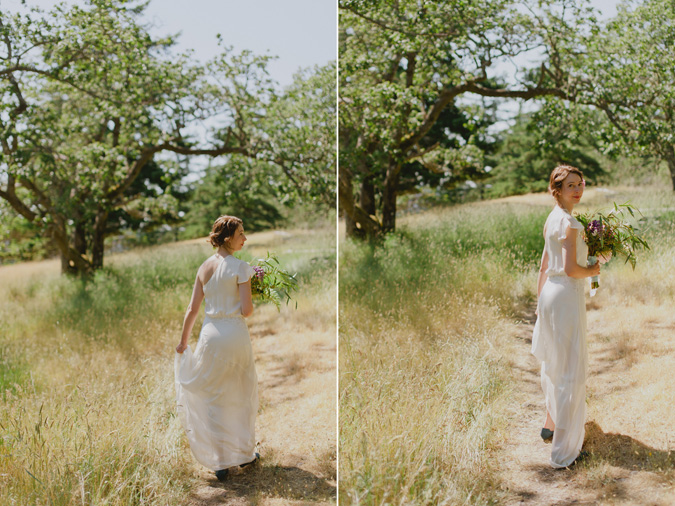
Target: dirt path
{"points": [[295, 427], [629, 466]]}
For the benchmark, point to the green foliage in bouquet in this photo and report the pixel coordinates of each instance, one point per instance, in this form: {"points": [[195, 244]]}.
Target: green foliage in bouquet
{"points": [[271, 283], [612, 233]]}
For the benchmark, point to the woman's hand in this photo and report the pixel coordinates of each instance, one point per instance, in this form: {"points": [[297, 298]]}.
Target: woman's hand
{"points": [[181, 347], [594, 270]]}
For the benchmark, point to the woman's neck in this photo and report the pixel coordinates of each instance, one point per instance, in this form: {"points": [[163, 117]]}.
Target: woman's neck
{"points": [[223, 251], [564, 208]]}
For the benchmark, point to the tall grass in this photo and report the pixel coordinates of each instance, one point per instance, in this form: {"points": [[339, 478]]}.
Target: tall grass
{"points": [[423, 316], [425, 320], [472, 252], [87, 376], [90, 419]]}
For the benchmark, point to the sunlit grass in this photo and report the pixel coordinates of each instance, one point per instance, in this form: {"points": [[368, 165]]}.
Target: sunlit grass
{"points": [[87, 371], [426, 319]]}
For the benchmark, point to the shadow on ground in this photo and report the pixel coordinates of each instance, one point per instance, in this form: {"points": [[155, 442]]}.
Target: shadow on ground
{"points": [[624, 451], [270, 482], [616, 450], [620, 469], [621, 451]]}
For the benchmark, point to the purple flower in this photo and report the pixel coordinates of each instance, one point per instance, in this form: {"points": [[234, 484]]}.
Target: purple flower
{"points": [[596, 227]]}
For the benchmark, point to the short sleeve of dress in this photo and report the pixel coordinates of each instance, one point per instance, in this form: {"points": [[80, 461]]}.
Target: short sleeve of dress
{"points": [[244, 273], [568, 221]]}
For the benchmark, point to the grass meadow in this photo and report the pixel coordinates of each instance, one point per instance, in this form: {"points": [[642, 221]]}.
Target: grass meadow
{"points": [[86, 379], [427, 319]]}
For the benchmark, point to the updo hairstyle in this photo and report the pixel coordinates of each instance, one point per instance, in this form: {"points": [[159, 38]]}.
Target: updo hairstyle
{"points": [[223, 229], [558, 176]]}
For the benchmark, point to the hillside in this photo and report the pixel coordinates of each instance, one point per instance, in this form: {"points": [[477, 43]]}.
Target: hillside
{"points": [[440, 400], [87, 381]]}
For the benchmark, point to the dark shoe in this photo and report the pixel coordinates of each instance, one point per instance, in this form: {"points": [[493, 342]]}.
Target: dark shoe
{"points": [[256, 459], [222, 474], [546, 434], [582, 455]]}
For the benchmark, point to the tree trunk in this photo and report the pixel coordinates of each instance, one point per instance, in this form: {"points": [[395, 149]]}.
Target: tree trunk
{"points": [[670, 160], [66, 267], [389, 192], [367, 197], [80, 238], [98, 239], [351, 228], [360, 224], [367, 203], [72, 261]]}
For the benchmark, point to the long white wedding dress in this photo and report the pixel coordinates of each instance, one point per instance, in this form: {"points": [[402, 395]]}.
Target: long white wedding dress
{"points": [[217, 386], [559, 341]]}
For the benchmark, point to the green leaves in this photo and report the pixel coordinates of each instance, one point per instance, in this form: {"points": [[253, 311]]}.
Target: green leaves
{"points": [[98, 119], [271, 283], [627, 71], [533, 146], [612, 233], [301, 145], [404, 67]]}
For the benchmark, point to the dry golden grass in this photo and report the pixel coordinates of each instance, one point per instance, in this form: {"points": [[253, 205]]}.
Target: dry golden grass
{"points": [[88, 413], [631, 344], [440, 401], [423, 384], [417, 420]]}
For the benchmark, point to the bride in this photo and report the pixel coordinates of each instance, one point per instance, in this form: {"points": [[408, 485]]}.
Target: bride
{"points": [[559, 340], [217, 386]]}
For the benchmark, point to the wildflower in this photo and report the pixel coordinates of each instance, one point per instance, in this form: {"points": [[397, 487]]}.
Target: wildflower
{"points": [[271, 283]]}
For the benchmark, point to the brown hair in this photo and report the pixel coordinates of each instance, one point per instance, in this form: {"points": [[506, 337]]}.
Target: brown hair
{"points": [[558, 176], [223, 228]]}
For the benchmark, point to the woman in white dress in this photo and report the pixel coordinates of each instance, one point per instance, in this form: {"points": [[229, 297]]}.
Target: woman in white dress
{"points": [[559, 340], [217, 386]]}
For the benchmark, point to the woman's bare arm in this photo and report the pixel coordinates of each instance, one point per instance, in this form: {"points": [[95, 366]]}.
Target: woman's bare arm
{"points": [[191, 314], [570, 265], [246, 298]]}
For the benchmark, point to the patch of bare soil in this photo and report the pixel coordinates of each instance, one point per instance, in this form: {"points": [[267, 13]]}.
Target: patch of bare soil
{"points": [[629, 463], [296, 424]]}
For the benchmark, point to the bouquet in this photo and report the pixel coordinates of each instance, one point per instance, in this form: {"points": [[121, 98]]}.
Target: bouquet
{"points": [[271, 283], [610, 234]]}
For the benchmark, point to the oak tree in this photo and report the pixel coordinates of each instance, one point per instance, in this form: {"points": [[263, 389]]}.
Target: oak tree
{"points": [[94, 108], [403, 62]]}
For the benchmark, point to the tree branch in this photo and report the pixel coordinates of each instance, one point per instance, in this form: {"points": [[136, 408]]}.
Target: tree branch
{"points": [[391, 28], [410, 69], [420, 154], [149, 153], [11, 197], [42, 199], [449, 95], [51, 74], [393, 65]]}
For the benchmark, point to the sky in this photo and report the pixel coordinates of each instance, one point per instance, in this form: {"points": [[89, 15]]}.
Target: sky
{"points": [[302, 33], [607, 8]]}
